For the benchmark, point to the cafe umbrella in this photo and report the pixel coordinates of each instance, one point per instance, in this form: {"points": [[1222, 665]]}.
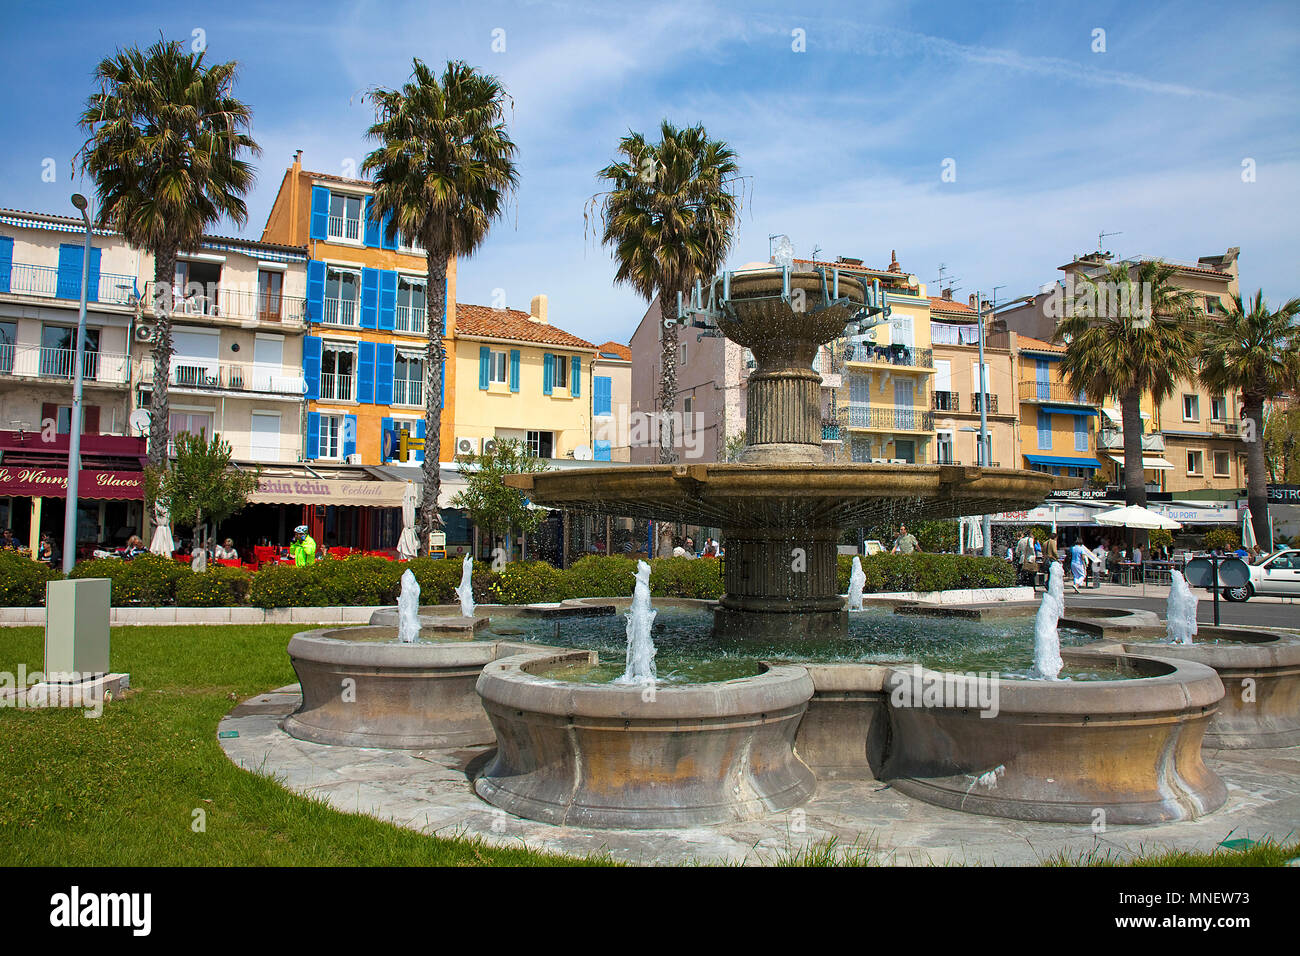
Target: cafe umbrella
{"points": [[162, 543]]}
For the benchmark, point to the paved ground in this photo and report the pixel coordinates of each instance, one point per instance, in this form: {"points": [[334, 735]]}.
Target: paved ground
{"points": [[429, 791], [1258, 611]]}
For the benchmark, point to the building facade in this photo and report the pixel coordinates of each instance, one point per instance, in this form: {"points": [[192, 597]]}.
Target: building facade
{"points": [[611, 402]]}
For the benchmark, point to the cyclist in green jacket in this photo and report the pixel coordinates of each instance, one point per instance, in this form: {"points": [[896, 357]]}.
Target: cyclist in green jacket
{"points": [[303, 548]]}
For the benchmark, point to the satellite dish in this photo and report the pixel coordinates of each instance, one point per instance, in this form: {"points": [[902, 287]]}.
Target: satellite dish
{"points": [[582, 453], [140, 419], [783, 253]]}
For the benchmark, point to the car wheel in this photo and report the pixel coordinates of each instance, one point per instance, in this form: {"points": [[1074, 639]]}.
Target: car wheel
{"points": [[1237, 594]]}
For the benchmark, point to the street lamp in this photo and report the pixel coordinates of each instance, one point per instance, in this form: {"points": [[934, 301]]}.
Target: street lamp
{"points": [[74, 438]]}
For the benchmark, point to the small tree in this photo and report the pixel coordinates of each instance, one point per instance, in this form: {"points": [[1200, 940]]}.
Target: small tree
{"points": [[201, 485], [1224, 539], [486, 499]]}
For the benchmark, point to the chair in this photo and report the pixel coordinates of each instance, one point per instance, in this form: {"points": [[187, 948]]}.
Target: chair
{"points": [[227, 562]]}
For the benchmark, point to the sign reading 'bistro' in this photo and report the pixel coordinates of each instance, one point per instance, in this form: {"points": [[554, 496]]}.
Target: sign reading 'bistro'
{"points": [[34, 482]]}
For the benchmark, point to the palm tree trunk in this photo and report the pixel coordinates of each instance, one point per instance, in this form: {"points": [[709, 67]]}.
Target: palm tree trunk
{"points": [[435, 299], [1135, 489], [668, 381], [1256, 472], [164, 276]]}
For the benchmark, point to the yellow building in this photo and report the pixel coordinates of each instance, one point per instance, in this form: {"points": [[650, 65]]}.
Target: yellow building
{"points": [[522, 378], [1058, 425]]}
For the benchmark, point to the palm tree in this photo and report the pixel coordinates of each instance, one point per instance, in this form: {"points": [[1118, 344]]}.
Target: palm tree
{"points": [[1257, 353], [442, 172], [166, 145], [1129, 334], [670, 216]]}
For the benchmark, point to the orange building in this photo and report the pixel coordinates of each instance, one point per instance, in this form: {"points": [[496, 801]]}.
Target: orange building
{"points": [[364, 351]]}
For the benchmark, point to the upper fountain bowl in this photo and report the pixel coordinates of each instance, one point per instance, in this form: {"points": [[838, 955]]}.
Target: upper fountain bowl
{"points": [[765, 316]]}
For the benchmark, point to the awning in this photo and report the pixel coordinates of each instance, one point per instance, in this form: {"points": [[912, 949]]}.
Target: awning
{"points": [[1148, 464], [36, 482], [1068, 410], [1062, 461], [449, 482], [1114, 415], [327, 491]]}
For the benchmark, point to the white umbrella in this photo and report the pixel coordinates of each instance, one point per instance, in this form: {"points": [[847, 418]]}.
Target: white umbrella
{"points": [[162, 542], [974, 532], [1248, 539], [408, 546], [1135, 516]]}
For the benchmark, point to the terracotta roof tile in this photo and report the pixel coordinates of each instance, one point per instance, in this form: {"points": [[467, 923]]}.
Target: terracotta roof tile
{"points": [[1038, 345], [480, 320], [940, 304], [617, 348]]}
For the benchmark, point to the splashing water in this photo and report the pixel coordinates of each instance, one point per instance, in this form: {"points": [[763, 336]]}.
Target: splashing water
{"points": [[408, 609], [1180, 611], [1047, 640], [856, 580], [466, 590], [640, 646]]}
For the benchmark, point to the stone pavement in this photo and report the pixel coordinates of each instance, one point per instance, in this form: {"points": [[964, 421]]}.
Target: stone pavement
{"points": [[429, 791]]}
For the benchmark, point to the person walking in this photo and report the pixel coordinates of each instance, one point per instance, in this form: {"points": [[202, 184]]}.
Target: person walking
{"points": [[1079, 558], [906, 542], [303, 548], [1025, 559], [1050, 551]]}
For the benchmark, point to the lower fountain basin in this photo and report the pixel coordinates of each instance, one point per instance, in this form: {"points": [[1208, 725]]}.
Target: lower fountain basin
{"points": [[1116, 752], [612, 756], [362, 688]]}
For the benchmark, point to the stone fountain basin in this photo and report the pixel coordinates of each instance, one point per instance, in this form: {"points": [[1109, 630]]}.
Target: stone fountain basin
{"points": [[402, 696], [1260, 671], [1060, 752], [608, 756]]}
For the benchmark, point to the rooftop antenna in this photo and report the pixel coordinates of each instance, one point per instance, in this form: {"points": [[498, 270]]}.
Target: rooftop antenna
{"points": [[816, 251], [1101, 236], [946, 281]]}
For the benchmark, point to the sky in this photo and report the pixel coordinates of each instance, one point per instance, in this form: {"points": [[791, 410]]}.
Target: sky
{"points": [[992, 140]]}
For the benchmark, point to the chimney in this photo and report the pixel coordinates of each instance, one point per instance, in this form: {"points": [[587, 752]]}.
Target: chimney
{"points": [[297, 160], [893, 261], [947, 294], [971, 300], [537, 309]]}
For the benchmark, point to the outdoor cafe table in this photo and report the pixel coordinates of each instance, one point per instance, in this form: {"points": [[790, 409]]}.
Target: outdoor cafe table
{"points": [[1159, 572], [1126, 569]]}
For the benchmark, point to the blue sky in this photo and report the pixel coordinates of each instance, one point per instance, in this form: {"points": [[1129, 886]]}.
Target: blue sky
{"points": [[842, 145]]}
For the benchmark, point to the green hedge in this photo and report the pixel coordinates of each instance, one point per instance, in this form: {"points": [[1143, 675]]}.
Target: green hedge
{"points": [[149, 581], [22, 580], [219, 586], [927, 572]]}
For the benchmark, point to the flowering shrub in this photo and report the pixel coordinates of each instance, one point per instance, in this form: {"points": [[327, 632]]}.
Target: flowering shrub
{"points": [[148, 580], [22, 580], [217, 587]]}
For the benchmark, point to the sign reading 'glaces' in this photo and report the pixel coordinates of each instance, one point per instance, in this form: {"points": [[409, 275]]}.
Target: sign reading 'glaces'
{"points": [[53, 482]]}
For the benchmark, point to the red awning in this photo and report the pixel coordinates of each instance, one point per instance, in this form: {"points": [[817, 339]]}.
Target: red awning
{"points": [[37, 482]]}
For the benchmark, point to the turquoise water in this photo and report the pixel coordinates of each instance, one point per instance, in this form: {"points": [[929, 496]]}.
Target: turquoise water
{"points": [[688, 652]]}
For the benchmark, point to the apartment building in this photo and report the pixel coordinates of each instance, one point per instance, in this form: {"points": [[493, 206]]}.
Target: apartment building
{"points": [[364, 351], [611, 402], [1058, 425]]}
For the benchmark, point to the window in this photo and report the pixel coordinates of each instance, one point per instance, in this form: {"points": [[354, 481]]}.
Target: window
{"points": [[1191, 408], [1044, 430], [688, 405], [1222, 464], [497, 368], [331, 436], [8, 336], [1195, 462], [345, 217], [411, 304], [408, 379], [342, 295], [338, 373], [1080, 432], [1219, 408], [59, 352], [540, 444], [269, 286], [603, 391], [682, 361], [561, 379], [943, 448], [196, 287], [196, 423]]}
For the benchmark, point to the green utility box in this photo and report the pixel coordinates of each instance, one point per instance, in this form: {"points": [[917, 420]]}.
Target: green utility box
{"points": [[76, 627]]}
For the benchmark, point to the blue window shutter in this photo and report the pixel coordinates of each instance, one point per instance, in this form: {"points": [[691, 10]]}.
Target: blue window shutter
{"points": [[313, 436], [1080, 432], [387, 300], [311, 356], [484, 358], [514, 370], [419, 433], [371, 234], [1044, 429], [315, 291], [575, 376], [366, 372], [349, 435], [387, 243], [385, 426], [370, 298], [6, 262], [68, 283], [92, 286], [603, 395], [602, 450], [320, 213], [385, 359], [548, 372]]}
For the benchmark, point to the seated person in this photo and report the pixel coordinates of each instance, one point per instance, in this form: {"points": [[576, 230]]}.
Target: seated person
{"points": [[134, 546], [8, 542], [226, 551]]}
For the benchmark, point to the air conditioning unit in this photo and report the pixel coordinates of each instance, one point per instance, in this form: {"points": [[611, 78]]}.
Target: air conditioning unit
{"points": [[880, 461], [489, 446], [144, 333], [354, 459], [898, 461], [467, 445]]}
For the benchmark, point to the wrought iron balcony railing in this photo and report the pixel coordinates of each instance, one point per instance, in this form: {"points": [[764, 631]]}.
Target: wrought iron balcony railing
{"points": [[227, 376], [891, 418], [992, 402], [37, 361], [22, 278], [945, 401], [1032, 390]]}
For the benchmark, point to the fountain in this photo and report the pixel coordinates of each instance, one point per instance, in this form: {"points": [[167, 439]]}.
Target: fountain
{"points": [[1047, 639], [640, 646], [408, 609], [856, 580], [466, 590], [1180, 611]]}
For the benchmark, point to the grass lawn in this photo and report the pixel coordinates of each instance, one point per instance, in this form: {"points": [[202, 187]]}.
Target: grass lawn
{"points": [[122, 789]]}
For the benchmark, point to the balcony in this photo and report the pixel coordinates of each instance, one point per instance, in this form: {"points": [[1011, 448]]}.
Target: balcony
{"points": [[1058, 392], [893, 355], [202, 375], [337, 388], [230, 303], [21, 278], [992, 402], [37, 362], [945, 401], [1113, 439], [340, 312], [408, 391], [410, 319], [890, 418], [344, 227], [831, 432]]}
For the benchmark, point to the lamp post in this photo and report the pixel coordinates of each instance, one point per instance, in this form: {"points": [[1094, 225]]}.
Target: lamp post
{"points": [[985, 446], [74, 428]]}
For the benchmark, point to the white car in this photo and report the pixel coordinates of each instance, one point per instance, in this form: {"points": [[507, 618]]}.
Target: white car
{"points": [[1278, 575]]}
